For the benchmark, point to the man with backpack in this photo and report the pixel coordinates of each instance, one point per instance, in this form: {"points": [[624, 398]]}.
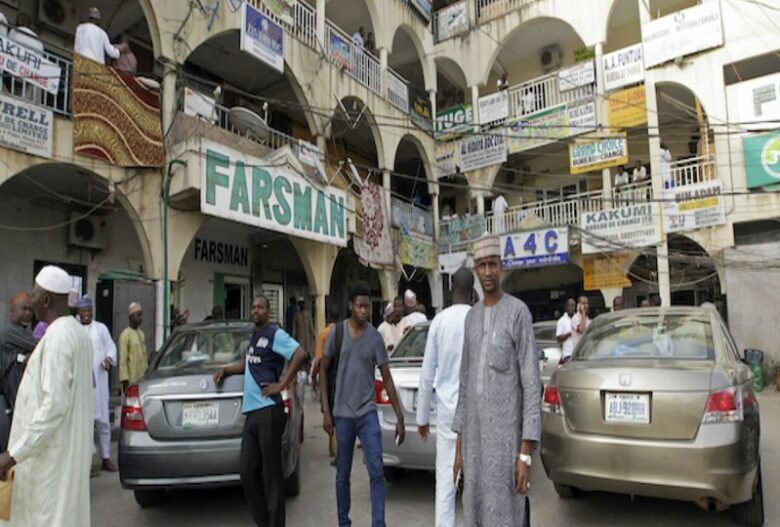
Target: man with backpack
{"points": [[353, 351]]}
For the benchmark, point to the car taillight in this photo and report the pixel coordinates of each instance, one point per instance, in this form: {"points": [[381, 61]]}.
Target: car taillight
{"points": [[552, 400], [287, 401], [381, 393], [724, 406], [132, 415]]}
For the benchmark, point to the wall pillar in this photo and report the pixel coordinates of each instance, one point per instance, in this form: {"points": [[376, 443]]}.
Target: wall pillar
{"points": [[383, 65], [321, 24], [319, 312], [601, 119], [475, 104]]}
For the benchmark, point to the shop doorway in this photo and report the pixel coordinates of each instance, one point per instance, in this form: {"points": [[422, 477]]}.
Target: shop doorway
{"points": [[233, 294]]}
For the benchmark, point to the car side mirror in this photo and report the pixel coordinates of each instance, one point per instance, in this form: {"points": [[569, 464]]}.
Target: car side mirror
{"points": [[753, 356]]}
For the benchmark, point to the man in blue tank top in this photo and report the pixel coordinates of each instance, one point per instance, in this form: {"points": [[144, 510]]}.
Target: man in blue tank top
{"points": [[261, 443]]}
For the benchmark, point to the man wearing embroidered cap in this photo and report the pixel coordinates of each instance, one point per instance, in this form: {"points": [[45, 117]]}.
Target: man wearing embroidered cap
{"points": [[104, 357], [389, 329], [498, 417], [51, 434], [412, 315], [133, 361], [92, 41]]}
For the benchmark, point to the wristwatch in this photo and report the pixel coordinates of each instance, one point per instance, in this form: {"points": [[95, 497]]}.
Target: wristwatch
{"points": [[525, 458]]}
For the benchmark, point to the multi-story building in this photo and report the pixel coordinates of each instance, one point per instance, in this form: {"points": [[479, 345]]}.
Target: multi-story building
{"points": [[297, 159]]}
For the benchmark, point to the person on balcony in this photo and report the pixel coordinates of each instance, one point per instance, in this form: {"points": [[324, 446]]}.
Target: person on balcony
{"points": [[499, 209], [666, 166], [92, 41], [370, 43], [359, 38], [24, 35], [639, 175], [503, 82], [621, 180], [127, 62]]}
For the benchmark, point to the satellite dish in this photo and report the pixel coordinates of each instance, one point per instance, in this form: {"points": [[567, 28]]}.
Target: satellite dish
{"points": [[248, 123]]}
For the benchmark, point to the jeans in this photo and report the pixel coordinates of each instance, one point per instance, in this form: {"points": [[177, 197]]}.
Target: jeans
{"points": [[367, 429]]}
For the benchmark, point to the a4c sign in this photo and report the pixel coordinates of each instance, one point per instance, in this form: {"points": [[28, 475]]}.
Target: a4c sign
{"points": [[535, 248], [762, 159]]}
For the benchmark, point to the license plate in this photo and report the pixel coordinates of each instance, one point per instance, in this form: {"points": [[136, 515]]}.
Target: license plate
{"points": [[200, 415], [627, 408]]}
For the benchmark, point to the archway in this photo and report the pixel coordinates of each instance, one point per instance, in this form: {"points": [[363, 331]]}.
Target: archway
{"points": [[623, 26], [406, 58], [684, 128], [546, 289], [354, 141], [451, 84], [352, 15]]}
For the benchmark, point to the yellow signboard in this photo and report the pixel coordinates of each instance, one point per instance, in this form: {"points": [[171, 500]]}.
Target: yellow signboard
{"points": [[627, 108], [605, 271], [595, 154]]}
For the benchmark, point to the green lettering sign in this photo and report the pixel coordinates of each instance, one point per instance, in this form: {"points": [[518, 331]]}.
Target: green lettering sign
{"points": [[321, 215], [214, 161], [282, 208], [337, 216], [261, 192], [302, 207], [239, 194]]}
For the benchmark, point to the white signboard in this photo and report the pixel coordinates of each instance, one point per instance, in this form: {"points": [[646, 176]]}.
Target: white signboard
{"points": [[29, 65], [447, 158], [26, 127], [582, 118], [757, 101], [398, 92], [682, 33], [251, 190], [620, 228], [198, 105], [262, 38], [623, 67], [494, 107], [451, 21], [537, 248], [480, 151], [693, 206], [578, 75]]}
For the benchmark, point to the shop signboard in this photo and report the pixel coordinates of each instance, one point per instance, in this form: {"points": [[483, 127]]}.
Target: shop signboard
{"points": [[417, 251], [581, 74], [582, 117], [26, 127], [453, 122], [595, 154], [451, 21], [250, 190], [30, 65], [537, 129], [262, 38], [682, 33], [447, 158], [493, 108], [762, 159], [420, 109], [535, 248], [605, 271], [624, 67], [693, 206], [620, 228], [627, 108], [340, 50], [479, 151]]}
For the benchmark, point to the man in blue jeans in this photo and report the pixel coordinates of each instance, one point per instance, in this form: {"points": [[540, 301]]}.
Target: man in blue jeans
{"points": [[362, 351]]}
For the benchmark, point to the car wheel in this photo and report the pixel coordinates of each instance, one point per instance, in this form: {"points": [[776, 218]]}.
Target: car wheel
{"points": [[567, 492], [149, 498], [292, 485], [751, 513], [393, 473]]}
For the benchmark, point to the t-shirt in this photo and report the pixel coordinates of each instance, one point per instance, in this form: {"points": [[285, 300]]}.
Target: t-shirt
{"points": [[269, 348], [564, 327], [358, 360], [576, 336]]}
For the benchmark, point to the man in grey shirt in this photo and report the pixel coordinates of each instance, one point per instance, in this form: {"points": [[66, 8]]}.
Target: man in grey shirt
{"points": [[362, 351]]}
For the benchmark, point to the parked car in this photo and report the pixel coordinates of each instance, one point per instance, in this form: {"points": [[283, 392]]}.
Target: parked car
{"points": [[179, 430], [550, 351], [656, 402]]}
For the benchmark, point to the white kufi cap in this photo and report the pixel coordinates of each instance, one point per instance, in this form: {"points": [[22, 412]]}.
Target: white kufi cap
{"points": [[54, 280], [410, 299]]}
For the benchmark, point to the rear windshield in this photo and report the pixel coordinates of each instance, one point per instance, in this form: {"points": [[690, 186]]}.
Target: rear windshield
{"points": [[662, 336], [413, 345], [204, 349], [545, 332]]}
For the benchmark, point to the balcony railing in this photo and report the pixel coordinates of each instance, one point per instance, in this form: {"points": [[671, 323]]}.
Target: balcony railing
{"points": [[456, 234], [412, 217], [397, 91], [489, 9], [303, 25], [542, 93], [563, 212], [694, 170], [275, 140], [640, 192]]}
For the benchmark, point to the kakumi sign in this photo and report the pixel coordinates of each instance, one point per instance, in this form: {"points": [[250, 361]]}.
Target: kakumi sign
{"points": [[620, 228]]}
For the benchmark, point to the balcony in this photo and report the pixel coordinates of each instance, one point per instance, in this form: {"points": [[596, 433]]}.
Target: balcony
{"points": [[489, 9], [456, 234], [694, 170], [354, 60], [544, 92], [412, 217], [559, 212], [275, 140], [625, 195]]}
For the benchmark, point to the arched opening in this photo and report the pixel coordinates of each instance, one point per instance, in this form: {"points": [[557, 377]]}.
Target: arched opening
{"points": [[451, 84], [351, 16], [354, 141], [661, 8], [410, 177], [546, 289], [347, 271], [406, 59], [623, 26]]}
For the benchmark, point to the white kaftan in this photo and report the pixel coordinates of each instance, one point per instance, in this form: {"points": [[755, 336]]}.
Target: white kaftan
{"points": [[103, 347], [51, 434]]}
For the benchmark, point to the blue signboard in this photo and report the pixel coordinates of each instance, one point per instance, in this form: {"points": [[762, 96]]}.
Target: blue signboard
{"points": [[537, 248], [423, 7], [262, 38]]}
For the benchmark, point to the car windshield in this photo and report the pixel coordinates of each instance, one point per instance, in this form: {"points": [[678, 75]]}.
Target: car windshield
{"points": [[658, 336], [413, 345], [544, 332], [204, 349]]}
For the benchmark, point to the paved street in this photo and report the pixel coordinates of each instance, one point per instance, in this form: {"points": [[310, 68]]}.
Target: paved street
{"points": [[410, 500]]}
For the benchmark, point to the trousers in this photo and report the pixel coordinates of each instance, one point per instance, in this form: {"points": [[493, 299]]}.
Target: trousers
{"points": [[445, 488], [104, 437]]}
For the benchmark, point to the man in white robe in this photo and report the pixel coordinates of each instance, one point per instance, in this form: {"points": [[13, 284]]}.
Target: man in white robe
{"points": [[104, 358], [51, 434]]}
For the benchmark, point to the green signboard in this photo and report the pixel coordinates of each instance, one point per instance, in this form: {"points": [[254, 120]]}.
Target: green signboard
{"points": [[256, 192], [453, 122], [762, 159]]}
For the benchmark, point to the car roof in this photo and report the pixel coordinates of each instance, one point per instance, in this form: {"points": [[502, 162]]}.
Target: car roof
{"points": [[215, 325], [702, 312]]}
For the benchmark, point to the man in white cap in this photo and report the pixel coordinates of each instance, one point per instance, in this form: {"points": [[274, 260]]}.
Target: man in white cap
{"points": [[498, 417], [413, 316], [103, 359], [92, 41], [133, 361], [51, 434], [389, 327]]}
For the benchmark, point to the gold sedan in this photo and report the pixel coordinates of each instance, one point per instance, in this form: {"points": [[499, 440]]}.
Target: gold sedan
{"points": [[656, 402]]}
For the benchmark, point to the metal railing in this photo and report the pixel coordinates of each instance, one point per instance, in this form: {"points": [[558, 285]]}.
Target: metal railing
{"points": [[690, 171], [562, 212], [640, 192], [58, 102], [275, 140], [542, 93], [302, 24], [354, 60], [489, 9], [451, 21], [412, 217], [456, 234], [397, 91]]}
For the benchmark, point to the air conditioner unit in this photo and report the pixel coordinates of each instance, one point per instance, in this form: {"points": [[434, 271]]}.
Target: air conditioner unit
{"points": [[88, 233], [60, 16], [551, 57]]}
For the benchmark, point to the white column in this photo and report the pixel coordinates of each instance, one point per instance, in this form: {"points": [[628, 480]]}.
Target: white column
{"points": [[471, 12], [601, 119], [654, 143], [320, 21], [383, 67], [432, 97], [169, 96], [159, 312], [475, 104], [386, 185]]}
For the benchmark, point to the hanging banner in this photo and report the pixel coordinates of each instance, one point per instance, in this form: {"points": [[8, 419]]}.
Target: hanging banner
{"points": [[376, 245], [536, 248], [451, 21], [397, 92], [762, 159], [623, 67], [693, 206], [580, 74], [281, 9], [416, 251], [582, 118], [26, 127], [453, 122], [340, 50], [627, 108], [447, 158], [537, 129], [262, 38], [493, 108], [30, 65], [605, 271], [480, 151], [420, 109], [599, 153], [461, 231], [682, 33], [620, 228]]}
